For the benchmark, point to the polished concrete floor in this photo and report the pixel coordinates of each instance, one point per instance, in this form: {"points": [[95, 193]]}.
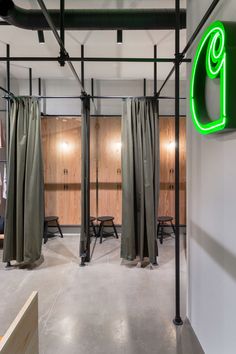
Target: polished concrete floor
{"points": [[107, 307]]}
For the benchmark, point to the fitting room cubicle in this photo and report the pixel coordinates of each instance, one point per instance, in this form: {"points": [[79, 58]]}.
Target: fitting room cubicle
{"points": [[61, 140]]}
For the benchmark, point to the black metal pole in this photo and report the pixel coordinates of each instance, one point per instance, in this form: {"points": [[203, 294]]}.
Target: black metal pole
{"points": [[191, 40], [30, 81], [39, 86], [59, 41], [8, 115], [144, 87], [177, 320], [82, 64], [62, 31], [87, 168], [8, 103], [85, 190], [200, 26], [96, 59], [155, 72]]}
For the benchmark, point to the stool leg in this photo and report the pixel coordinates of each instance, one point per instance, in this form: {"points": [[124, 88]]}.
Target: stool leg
{"points": [[94, 229], [101, 232], [173, 228], [162, 234], [115, 231], [45, 233], [158, 228], [59, 228]]}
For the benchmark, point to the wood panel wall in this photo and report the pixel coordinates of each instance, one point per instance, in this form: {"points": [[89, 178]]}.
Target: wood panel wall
{"points": [[61, 140], [167, 168], [109, 168], [62, 168]]}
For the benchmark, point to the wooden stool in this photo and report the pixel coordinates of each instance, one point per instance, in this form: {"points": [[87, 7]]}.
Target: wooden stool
{"points": [[162, 222], [103, 221], [51, 221]]}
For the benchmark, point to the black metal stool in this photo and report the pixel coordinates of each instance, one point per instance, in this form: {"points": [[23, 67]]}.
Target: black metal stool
{"points": [[162, 222], [106, 221], [93, 226], [51, 221]]}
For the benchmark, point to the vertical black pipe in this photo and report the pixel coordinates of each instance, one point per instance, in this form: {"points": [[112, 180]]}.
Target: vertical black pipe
{"points": [[177, 320], [96, 152], [8, 101], [82, 64], [144, 87], [155, 71], [39, 86], [62, 30], [87, 169], [30, 81]]}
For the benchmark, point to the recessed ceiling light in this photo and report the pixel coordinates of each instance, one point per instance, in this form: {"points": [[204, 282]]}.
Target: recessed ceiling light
{"points": [[41, 37], [119, 37]]}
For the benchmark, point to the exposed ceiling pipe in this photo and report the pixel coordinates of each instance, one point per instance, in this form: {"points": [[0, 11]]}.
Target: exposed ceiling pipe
{"points": [[92, 19]]}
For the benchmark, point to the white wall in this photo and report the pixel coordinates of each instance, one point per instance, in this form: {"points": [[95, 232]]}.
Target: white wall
{"points": [[59, 87], [211, 216]]}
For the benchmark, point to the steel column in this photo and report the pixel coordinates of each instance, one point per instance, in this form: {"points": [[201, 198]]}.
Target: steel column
{"points": [[59, 41], [177, 320], [191, 40], [144, 87], [8, 102], [62, 31], [155, 72], [30, 81], [85, 220], [82, 64]]}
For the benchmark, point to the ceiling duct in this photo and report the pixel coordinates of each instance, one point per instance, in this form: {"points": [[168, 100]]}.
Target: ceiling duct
{"points": [[92, 19]]}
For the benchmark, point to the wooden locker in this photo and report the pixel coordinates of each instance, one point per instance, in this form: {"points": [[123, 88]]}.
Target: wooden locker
{"points": [[167, 168], [109, 167], [61, 140]]}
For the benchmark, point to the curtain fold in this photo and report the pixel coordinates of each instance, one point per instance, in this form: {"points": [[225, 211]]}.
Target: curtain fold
{"points": [[140, 179], [24, 216]]}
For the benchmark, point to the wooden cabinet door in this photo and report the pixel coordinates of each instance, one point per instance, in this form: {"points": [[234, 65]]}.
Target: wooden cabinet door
{"points": [[61, 140], [167, 168], [109, 168]]}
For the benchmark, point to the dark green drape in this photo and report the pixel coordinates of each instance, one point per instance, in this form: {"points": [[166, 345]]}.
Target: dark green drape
{"points": [[24, 217], [140, 179]]}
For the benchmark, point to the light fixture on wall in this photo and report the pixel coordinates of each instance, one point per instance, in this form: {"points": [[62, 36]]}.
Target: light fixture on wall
{"points": [[41, 37], [119, 37], [171, 145], [116, 146]]}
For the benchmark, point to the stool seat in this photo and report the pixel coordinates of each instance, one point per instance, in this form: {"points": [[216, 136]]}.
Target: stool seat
{"points": [[162, 222], [92, 218], [164, 218], [105, 218], [54, 221]]}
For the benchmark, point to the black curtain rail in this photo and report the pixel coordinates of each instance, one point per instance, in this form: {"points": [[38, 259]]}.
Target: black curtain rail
{"points": [[95, 59], [100, 97]]}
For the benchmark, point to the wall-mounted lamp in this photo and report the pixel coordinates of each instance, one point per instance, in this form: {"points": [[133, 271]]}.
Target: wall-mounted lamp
{"points": [[119, 37], [41, 37], [171, 145]]}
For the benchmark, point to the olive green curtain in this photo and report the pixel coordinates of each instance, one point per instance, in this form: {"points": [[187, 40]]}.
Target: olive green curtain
{"points": [[24, 217], [140, 179]]}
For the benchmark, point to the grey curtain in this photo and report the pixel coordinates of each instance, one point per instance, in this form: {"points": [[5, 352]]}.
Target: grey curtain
{"points": [[140, 179], [24, 217]]}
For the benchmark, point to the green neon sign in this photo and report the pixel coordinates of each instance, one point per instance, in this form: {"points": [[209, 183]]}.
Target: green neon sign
{"points": [[215, 58]]}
